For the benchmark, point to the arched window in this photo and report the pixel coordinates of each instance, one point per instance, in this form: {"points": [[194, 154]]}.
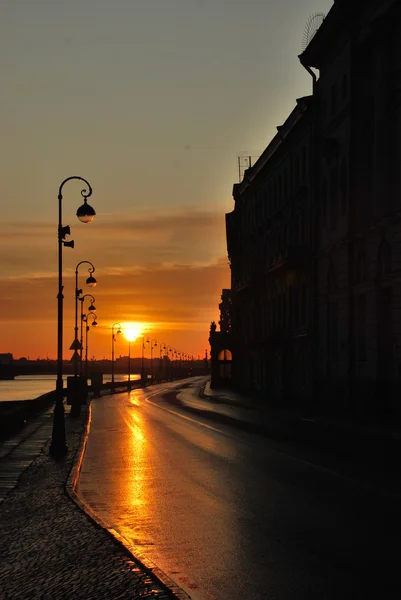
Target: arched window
{"points": [[343, 187], [360, 271], [384, 259], [225, 355], [333, 196], [280, 189], [324, 202], [303, 165], [344, 86], [331, 279]]}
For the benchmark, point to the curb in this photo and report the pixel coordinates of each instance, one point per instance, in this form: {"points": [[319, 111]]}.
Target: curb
{"points": [[166, 583]]}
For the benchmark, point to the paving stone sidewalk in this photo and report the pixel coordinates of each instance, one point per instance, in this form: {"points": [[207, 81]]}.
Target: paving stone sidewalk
{"points": [[50, 548]]}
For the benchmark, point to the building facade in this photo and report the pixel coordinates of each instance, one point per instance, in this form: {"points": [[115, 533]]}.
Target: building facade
{"points": [[314, 240]]}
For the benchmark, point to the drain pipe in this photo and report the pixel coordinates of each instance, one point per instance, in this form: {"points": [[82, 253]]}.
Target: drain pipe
{"points": [[314, 314]]}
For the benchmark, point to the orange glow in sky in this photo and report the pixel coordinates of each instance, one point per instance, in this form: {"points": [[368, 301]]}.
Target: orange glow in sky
{"points": [[158, 146], [133, 331]]}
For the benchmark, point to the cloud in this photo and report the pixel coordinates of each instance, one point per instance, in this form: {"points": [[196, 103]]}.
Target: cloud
{"points": [[176, 302], [113, 242]]}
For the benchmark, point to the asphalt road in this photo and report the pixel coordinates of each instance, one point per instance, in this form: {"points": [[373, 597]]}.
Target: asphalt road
{"points": [[231, 515]]}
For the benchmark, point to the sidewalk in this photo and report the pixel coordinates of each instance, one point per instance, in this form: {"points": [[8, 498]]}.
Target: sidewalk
{"points": [[50, 548]]}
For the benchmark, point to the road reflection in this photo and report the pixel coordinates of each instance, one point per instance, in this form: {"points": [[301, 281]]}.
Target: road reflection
{"points": [[223, 512], [131, 486]]}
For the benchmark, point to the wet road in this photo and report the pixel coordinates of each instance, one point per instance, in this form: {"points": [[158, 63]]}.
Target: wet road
{"points": [[230, 515]]}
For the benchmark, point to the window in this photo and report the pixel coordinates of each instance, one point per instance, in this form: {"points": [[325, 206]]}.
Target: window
{"points": [[343, 187], [333, 99], [344, 86], [361, 324], [324, 109], [296, 170], [295, 307], [303, 304], [333, 196], [225, 355], [324, 203], [296, 230], [331, 280], [303, 165], [384, 260], [332, 336], [360, 274]]}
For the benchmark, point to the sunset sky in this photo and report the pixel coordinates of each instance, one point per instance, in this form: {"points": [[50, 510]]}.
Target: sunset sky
{"points": [[151, 101]]}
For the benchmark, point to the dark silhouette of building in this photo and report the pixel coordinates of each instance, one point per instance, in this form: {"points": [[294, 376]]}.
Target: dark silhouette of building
{"points": [[221, 344], [314, 240], [6, 366]]}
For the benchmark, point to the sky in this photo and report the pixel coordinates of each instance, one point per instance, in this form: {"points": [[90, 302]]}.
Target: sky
{"points": [[152, 102]]}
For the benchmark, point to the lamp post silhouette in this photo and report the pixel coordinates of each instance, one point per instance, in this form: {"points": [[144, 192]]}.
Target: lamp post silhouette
{"points": [[94, 324], [161, 348], [113, 339], [174, 354], [91, 307], [143, 378], [170, 368], [85, 214], [153, 344], [179, 356], [77, 344], [131, 337]]}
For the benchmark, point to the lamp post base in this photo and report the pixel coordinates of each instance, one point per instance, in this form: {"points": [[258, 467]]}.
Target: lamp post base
{"points": [[58, 446]]}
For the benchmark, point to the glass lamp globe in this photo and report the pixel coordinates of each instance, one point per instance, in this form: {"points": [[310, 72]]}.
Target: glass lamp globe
{"points": [[91, 281], [86, 213]]}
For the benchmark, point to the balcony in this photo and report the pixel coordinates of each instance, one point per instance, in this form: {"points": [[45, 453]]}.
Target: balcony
{"points": [[295, 258], [255, 281]]}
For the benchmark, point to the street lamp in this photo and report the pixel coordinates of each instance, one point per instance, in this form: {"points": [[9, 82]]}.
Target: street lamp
{"points": [[143, 360], [170, 370], [113, 339], [179, 362], [91, 282], [153, 344], [161, 348], [85, 214], [91, 307], [131, 336], [174, 354], [94, 324]]}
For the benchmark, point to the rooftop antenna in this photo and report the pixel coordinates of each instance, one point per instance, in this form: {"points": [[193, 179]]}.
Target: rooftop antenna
{"points": [[311, 27], [244, 163]]}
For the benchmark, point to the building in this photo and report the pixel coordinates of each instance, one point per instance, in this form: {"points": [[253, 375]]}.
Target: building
{"points": [[6, 366], [314, 240], [221, 344]]}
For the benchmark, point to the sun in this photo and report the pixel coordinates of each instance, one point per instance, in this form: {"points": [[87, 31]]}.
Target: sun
{"points": [[132, 331]]}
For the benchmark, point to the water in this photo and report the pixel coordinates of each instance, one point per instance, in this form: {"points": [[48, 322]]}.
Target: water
{"points": [[28, 387]]}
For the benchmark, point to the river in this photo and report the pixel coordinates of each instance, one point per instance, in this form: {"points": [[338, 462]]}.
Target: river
{"points": [[28, 387]]}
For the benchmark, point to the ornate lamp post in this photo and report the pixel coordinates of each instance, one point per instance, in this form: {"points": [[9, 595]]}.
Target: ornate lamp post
{"points": [[153, 344], [170, 367], [113, 339], [85, 214], [91, 307], [94, 324], [161, 348], [91, 282], [179, 355], [130, 337], [143, 375], [174, 355]]}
